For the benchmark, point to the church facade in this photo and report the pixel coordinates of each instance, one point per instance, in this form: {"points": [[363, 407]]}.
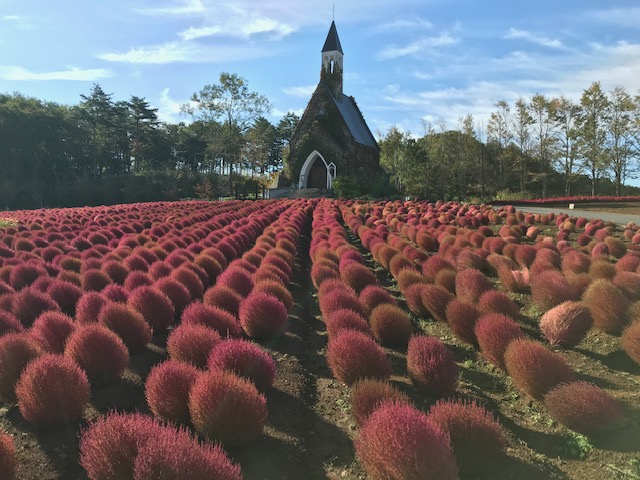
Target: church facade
{"points": [[332, 139]]}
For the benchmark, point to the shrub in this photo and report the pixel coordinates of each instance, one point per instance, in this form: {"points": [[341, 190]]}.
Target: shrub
{"points": [[116, 271], [435, 300], [462, 318], [237, 279], [433, 265], [94, 279], [550, 288], [390, 325], [89, 306], [276, 289], [128, 324], [629, 284], [470, 284], [192, 343], [16, 351], [513, 280], [223, 297], [29, 303], [353, 355], [9, 323], [431, 366], [583, 407], [373, 295], [534, 369], [345, 319], [477, 439], [447, 279], [524, 255], [628, 263], [220, 320], [495, 301], [608, 306], [245, 359], [494, 332], [262, 316], [321, 272], [398, 441], [227, 408], [155, 306], [357, 276], [566, 324], [399, 262], [630, 341], [210, 265], [467, 259], [24, 274], [66, 295], [52, 391], [167, 390], [369, 394], [51, 330], [602, 269], [616, 247], [407, 277], [338, 299], [190, 280], [99, 352], [8, 457], [413, 299], [575, 262], [137, 279]]}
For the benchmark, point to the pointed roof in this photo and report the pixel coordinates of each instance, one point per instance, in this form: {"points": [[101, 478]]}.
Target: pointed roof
{"points": [[332, 42]]}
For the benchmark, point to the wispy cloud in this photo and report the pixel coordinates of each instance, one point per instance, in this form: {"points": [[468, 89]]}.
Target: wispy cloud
{"points": [[241, 28], [182, 7], [16, 73], [417, 47], [514, 33], [300, 92], [405, 24], [622, 17], [169, 108], [11, 18]]}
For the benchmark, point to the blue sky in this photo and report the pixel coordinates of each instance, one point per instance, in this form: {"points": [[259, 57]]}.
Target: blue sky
{"points": [[405, 60]]}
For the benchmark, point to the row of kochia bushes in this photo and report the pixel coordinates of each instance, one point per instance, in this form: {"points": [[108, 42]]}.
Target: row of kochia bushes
{"points": [[70, 320]]}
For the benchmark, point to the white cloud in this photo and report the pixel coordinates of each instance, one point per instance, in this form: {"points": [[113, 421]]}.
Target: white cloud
{"points": [[182, 7], [514, 33], [278, 113], [241, 28], [416, 47], [12, 18], [405, 24], [16, 73], [622, 17], [301, 92], [169, 109]]}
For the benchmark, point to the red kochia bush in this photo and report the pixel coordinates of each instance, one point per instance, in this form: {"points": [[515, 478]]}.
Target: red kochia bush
{"points": [[52, 329], [435, 299], [52, 391], [608, 306], [476, 437], [390, 325], [66, 295], [227, 408], [167, 390], [213, 317], [189, 279], [357, 276], [29, 303], [345, 319], [99, 352], [89, 306], [276, 289], [94, 280], [462, 318], [192, 343], [629, 284], [583, 407], [470, 284], [155, 307], [9, 323], [369, 394], [176, 291], [223, 297], [16, 351], [494, 332], [431, 366], [550, 288], [353, 355], [567, 324], [246, 359], [495, 301], [337, 299], [128, 324], [631, 341], [413, 299], [8, 457], [373, 295], [534, 369], [238, 279], [398, 441], [262, 315]]}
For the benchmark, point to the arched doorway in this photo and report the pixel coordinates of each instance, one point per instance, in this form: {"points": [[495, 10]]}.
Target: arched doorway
{"points": [[315, 172]]}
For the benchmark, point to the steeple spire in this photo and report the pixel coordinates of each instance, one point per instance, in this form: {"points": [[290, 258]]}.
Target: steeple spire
{"points": [[333, 41], [332, 56]]}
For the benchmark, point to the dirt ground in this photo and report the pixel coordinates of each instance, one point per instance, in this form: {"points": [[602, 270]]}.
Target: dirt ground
{"points": [[310, 429]]}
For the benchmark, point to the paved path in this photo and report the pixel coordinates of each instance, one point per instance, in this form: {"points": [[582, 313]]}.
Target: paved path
{"points": [[620, 218]]}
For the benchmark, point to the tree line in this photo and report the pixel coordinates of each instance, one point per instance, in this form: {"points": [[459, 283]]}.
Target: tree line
{"points": [[58, 155], [540, 146]]}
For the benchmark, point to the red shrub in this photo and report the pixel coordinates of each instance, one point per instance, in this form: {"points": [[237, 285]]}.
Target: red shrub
{"points": [[468, 259], [227, 408], [320, 272], [52, 391], [390, 325], [237, 279], [495, 301], [337, 299], [629, 284], [66, 295], [494, 332], [630, 341], [369, 394], [470, 284], [628, 263], [176, 291], [246, 359], [435, 300], [566, 324], [159, 269], [99, 352], [116, 271], [262, 316], [357, 276], [524, 255], [51, 330], [373, 295], [213, 317], [128, 324], [29, 303], [400, 262], [583, 407], [534, 369], [223, 297], [276, 289], [602, 269], [616, 247], [407, 277], [137, 279], [462, 318], [167, 390], [16, 351], [155, 307], [345, 319], [550, 288], [353, 355], [575, 262], [398, 441], [433, 265], [446, 279], [24, 274], [608, 306], [116, 293], [431, 366], [413, 299], [192, 343], [190, 280], [477, 439], [95, 280], [9, 323], [8, 457], [89, 306]]}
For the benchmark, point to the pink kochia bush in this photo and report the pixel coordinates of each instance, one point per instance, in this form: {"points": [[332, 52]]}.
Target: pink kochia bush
{"points": [[435, 300], [550, 288], [494, 332], [462, 318], [345, 319], [192, 343], [373, 295], [608, 306], [52, 391], [246, 359], [470, 284], [431, 366], [476, 437], [155, 306], [583, 407], [210, 316], [99, 352], [567, 324], [89, 306], [398, 441], [167, 390], [369, 394], [353, 355], [262, 316], [132, 445], [52, 329], [8, 457], [16, 351], [390, 325], [128, 324], [534, 369], [227, 408]]}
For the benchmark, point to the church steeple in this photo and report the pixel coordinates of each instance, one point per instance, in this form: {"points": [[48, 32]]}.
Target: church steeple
{"points": [[332, 56]]}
